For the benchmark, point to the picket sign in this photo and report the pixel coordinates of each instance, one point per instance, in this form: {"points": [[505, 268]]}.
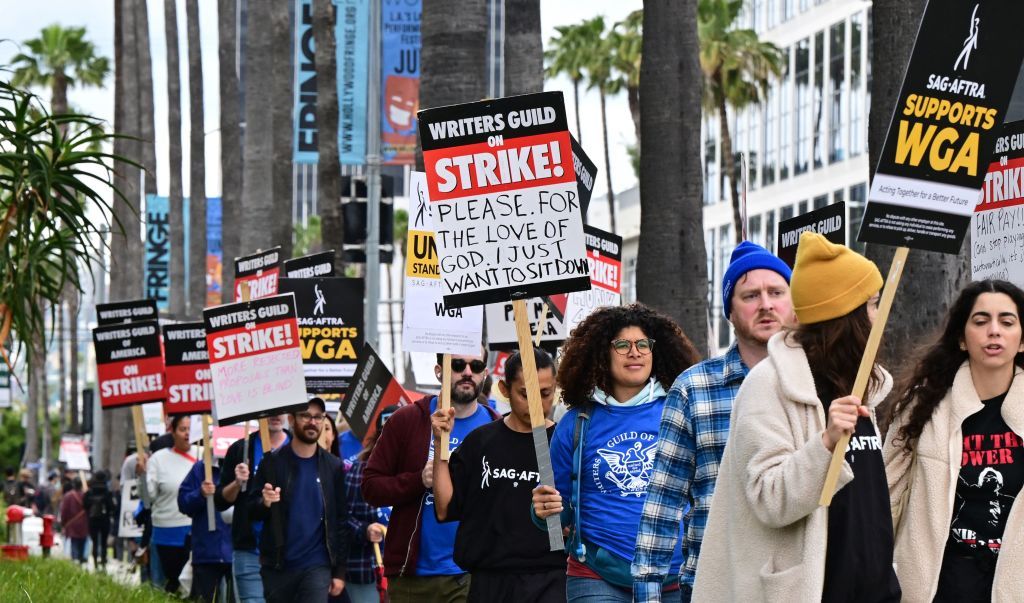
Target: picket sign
{"points": [[139, 424], [540, 326], [264, 426], [867, 362], [538, 422], [444, 400], [211, 520]]}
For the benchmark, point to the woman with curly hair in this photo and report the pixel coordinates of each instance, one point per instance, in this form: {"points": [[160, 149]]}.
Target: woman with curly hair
{"points": [[767, 538], [615, 370], [954, 455]]}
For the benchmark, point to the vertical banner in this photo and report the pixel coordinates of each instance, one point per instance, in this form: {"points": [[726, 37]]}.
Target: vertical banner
{"points": [[187, 369], [352, 39], [948, 115], [330, 318], [505, 203], [997, 231], [214, 253], [259, 272], [157, 277], [129, 363], [427, 325], [400, 80], [305, 84], [604, 254]]}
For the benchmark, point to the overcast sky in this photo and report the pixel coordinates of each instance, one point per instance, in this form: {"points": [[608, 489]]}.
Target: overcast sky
{"points": [[23, 20]]}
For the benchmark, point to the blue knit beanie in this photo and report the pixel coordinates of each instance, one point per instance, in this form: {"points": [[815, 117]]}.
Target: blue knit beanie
{"points": [[746, 257]]}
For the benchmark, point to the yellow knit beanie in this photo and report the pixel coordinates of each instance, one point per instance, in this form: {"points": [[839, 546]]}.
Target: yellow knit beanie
{"points": [[830, 280]]}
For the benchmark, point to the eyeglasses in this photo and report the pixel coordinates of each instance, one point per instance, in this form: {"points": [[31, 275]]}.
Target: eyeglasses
{"points": [[305, 416], [459, 365], [643, 346]]}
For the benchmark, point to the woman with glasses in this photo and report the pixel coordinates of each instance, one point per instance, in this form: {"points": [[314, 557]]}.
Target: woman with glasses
{"points": [[615, 370]]}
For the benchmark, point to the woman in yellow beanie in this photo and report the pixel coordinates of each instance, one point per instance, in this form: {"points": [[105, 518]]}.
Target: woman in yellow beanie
{"points": [[955, 458], [767, 539]]}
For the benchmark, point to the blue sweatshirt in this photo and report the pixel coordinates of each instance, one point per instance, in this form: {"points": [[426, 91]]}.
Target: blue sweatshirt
{"points": [[207, 546], [618, 458]]}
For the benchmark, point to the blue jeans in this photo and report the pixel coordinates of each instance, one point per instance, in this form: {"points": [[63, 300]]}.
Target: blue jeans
{"points": [[362, 593], [156, 569], [592, 590], [297, 586], [245, 567]]}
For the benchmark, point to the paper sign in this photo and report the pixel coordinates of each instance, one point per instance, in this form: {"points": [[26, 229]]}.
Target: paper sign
{"points": [[427, 325], [129, 364], [501, 325], [505, 204], [373, 389], [829, 221], [255, 358], [948, 115], [310, 266], [997, 231], [129, 502], [187, 368], [330, 317], [125, 311], [74, 452], [153, 418], [586, 173], [604, 254], [260, 271]]}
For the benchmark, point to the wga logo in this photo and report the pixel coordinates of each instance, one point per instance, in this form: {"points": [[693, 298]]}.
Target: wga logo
{"points": [[971, 42]]}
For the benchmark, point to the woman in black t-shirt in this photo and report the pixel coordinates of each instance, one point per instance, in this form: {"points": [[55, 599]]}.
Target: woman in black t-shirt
{"points": [[954, 455]]}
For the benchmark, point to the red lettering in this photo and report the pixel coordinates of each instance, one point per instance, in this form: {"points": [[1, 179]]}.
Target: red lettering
{"points": [[1005, 456], [991, 457]]}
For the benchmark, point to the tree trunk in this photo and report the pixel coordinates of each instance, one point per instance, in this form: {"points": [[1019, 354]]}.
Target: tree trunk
{"points": [[607, 165], [936, 277], [670, 171], [633, 98], [62, 365], [524, 52], [46, 450], [177, 293], [230, 146], [35, 360], [576, 105], [729, 170], [258, 159], [73, 300], [284, 126], [147, 125], [197, 167], [328, 204]]}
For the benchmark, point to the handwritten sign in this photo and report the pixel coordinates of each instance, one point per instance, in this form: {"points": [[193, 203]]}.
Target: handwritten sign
{"points": [[129, 363], [997, 227], [505, 203], [189, 383], [125, 311], [255, 358], [259, 272], [604, 255]]}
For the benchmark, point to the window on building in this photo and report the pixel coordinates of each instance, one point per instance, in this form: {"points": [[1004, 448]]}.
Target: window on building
{"points": [[786, 117], [838, 195], [788, 10], [858, 124], [802, 208], [819, 99], [820, 201], [804, 5], [803, 105], [753, 115], [759, 16], [739, 149], [629, 286], [769, 137], [769, 231], [725, 249], [838, 91], [710, 160], [787, 213], [772, 13], [858, 194], [754, 230]]}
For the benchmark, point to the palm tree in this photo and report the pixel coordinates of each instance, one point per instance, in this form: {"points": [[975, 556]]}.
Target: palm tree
{"points": [[670, 170], [626, 41], [258, 155], [737, 68], [147, 125], [283, 124], [524, 55], [197, 167], [328, 203], [176, 236], [599, 67], [230, 144], [565, 54]]}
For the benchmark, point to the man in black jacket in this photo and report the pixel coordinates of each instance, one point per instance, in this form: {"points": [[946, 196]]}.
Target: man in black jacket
{"points": [[245, 563], [299, 490]]}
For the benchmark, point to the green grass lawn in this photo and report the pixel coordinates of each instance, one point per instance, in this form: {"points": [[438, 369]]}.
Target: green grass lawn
{"points": [[60, 580]]}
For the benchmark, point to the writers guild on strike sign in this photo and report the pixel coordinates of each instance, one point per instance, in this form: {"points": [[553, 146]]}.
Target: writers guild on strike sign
{"points": [[258, 272], [189, 380], [129, 363]]}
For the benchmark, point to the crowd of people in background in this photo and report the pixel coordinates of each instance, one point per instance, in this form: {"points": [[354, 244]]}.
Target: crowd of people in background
{"points": [[675, 478]]}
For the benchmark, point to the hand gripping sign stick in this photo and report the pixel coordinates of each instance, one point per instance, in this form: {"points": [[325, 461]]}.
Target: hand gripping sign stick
{"points": [[211, 519], [444, 401], [537, 419], [264, 426], [899, 260]]}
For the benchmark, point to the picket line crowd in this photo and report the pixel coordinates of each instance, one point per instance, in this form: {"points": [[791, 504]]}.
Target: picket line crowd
{"points": [[675, 478]]}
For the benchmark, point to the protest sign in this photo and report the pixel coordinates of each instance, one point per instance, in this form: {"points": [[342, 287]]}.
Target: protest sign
{"points": [[997, 231], [153, 418], [604, 254], [74, 452], [501, 325], [310, 266], [372, 389], [129, 363], [586, 173], [948, 116], [255, 358], [259, 273], [129, 503], [125, 311], [330, 318], [187, 369], [224, 437], [427, 324], [505, 204], [829, 221]]}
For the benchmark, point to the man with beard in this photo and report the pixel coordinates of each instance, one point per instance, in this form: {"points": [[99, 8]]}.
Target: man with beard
{"points": [[695, 421], [400, 474], [299, 491]]}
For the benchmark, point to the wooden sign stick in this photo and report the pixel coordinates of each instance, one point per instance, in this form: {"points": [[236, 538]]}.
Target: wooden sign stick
{"points": [[208, 472], [538, 421], [245, 452], [264, 426], [542, 324], [139, 424], [899, 260], [444, 401]]}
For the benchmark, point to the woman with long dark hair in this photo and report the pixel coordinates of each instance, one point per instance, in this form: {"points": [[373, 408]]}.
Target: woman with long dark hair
{"points": [[616, 368], [767, 538], [954, 455]]}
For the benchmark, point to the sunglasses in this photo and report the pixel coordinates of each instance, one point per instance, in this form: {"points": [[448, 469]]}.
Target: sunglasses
{"points": [[459, 365], [643, 346]]}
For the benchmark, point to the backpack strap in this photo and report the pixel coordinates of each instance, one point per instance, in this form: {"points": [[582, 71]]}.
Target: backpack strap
{"points": [[579, 433]]}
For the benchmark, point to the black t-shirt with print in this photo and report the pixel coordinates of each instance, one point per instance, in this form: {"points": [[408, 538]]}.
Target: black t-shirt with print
{"points": [[858, 561], [494, 472]]}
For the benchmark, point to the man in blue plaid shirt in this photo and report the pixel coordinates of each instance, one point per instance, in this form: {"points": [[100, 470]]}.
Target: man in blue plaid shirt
{"points": [[695, 422]]}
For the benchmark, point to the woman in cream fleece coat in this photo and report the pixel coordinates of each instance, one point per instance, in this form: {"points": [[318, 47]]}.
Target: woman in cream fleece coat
{"points": [[767, 538], [954, 542]]}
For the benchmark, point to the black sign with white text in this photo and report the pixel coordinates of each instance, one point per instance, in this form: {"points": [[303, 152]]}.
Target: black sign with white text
{"points": [[829, 221]]}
